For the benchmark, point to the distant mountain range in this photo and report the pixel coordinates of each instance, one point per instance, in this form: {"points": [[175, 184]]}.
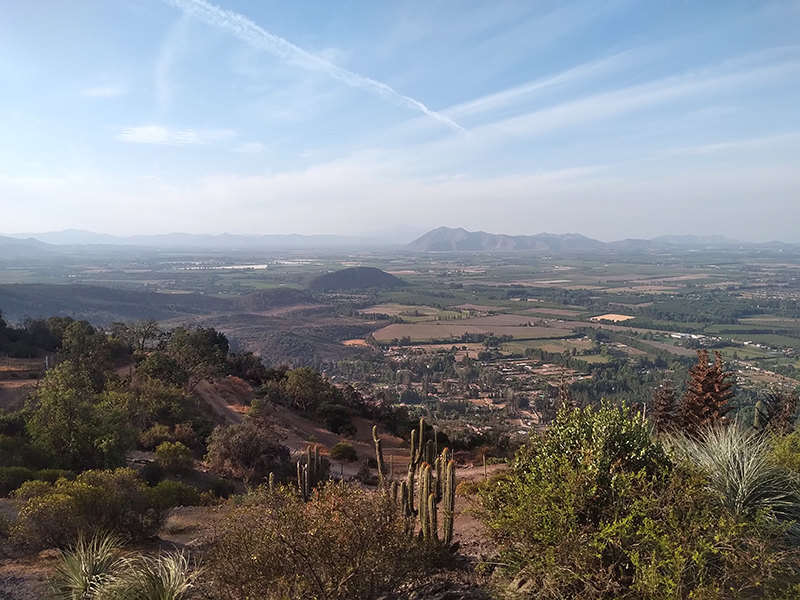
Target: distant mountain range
{"points": [[75, 237], [445, 239]]}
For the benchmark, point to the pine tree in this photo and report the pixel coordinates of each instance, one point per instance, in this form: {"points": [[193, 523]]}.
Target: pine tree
{"points": [[664, 407], [709, 391]]}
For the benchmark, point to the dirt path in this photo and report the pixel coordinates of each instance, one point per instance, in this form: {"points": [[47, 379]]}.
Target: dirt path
{"points": [[228, 397]]}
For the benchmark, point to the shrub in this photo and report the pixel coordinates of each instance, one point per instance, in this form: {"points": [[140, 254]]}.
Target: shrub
{"points": [[185, 434], [153, 473], [596, 509], [346, 543], [786, 451], [53, 515], [344, 451], [13, 477], [336, 417], [222, 488], [250, 450], [153, 437], [169, 494], [174, 457]]}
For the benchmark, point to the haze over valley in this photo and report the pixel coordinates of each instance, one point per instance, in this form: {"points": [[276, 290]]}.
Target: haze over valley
{"points": [[399, 301]]}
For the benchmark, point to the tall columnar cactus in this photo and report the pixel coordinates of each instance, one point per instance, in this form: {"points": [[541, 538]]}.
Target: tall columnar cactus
{"points": [[430, 452], [425, 482], [757, 416], [432, 490], [430, 515], [414, 462], [440, 465], [449, 497], [379, 455], [309, 474]]}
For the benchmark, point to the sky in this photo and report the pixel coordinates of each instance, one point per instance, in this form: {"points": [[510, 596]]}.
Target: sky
{"points": [[613, 119]]}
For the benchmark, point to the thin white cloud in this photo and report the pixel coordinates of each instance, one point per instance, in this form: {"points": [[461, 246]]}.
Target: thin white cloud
{"points": [[156, 134], [734, 145], [251, 148], [105, 91], [168, 55], [612, 104], [257, 37]]}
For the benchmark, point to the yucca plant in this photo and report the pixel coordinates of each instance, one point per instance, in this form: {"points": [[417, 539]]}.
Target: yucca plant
{"points": [[167, 576], [86, 568], [93, 570], [739, 468]]}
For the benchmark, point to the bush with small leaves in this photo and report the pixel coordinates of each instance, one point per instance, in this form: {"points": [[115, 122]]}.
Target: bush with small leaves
{"points": [[157, 434], [169, 494], [595, 508], [250, 450], [54, 514], [346, 543], [174, 457], [344, 451], [153, 473]]}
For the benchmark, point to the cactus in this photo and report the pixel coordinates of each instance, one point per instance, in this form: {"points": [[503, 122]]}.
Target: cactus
{"points": [[379, 455], [414, 462], [310, 474], [425, 491], [757, 416], [271, 480], [301, 485], [404, 499], [430, 452], [439, 470], [430, 514], [449, 497], [432, 490]]}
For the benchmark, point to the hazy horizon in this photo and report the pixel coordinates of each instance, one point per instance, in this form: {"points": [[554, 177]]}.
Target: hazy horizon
{"points": [[613, 120], [390, 237]]}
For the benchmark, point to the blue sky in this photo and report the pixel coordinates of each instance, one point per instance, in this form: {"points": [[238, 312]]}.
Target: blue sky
{"points": [[613, 119]]}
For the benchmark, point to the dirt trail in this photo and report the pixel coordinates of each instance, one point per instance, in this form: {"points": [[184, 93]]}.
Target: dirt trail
{"points": [[228, 397]]}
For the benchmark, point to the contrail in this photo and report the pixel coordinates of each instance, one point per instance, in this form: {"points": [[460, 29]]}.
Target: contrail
{"points": [[249, 32]]}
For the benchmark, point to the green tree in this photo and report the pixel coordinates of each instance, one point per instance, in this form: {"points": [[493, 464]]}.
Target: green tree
{"points": [[200, 351], [77, 427], [88, 349], [159, 365]]}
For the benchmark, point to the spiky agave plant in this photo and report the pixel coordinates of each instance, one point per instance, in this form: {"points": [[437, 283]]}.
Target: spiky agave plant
{"points": [[168, 576], [740, 471], [86, 567]]}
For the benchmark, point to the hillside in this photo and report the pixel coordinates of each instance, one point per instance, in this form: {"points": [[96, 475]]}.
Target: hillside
{"points": [[101, 305], [356, 278], [271, 298]]}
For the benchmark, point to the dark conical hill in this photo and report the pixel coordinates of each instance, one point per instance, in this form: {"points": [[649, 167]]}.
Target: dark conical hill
{"points": [[356, 278]]}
